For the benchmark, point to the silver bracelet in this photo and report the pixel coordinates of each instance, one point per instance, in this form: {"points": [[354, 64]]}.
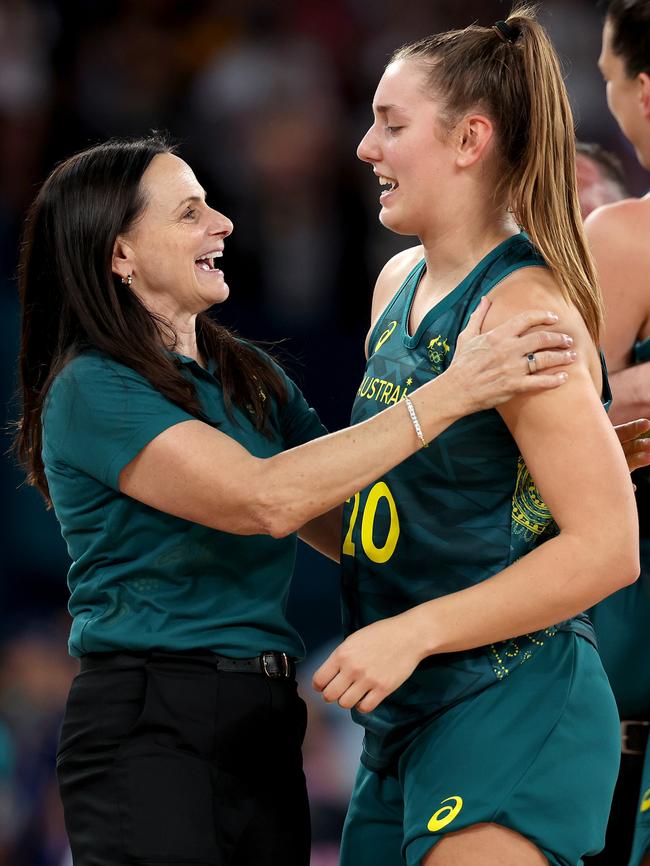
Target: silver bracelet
{"points": [[416, 423]]}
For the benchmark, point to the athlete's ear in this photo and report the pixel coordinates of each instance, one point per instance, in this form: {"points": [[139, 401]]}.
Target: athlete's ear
{"points": [[644, 82], [472, 135]]}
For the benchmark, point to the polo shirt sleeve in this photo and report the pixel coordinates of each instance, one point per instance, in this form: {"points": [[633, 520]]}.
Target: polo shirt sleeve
{"points": [[299, 423], [99, 415]]}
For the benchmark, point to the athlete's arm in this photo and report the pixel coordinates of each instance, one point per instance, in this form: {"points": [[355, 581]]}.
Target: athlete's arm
{"points": [[631, 392], [596, 552], [324, 533], [200, 474], [617, 236]]}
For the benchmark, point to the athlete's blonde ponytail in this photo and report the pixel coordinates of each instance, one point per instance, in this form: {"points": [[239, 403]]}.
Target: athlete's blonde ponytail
{"points": [[511, 72]]}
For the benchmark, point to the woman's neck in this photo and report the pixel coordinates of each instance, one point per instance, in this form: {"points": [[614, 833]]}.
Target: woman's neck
{"points": [[452, 252], [186, 344]]}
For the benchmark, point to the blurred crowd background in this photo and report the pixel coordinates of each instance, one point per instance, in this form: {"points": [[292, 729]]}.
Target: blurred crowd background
{"points": [[267, 100]]}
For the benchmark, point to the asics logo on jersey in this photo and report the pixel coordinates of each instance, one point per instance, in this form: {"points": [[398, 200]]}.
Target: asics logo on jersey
{"points": [[437, 350], [446, 814], [645, 801], [385, 336]]}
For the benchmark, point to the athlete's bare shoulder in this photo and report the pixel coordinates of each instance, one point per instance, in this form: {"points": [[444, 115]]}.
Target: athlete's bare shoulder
{"points": [[616, 228], [618, 238], [391, 277], [535, 288]]}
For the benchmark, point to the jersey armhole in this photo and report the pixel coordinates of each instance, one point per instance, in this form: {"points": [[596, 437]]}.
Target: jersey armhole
{"points": [[373, 331], [517, 266]]}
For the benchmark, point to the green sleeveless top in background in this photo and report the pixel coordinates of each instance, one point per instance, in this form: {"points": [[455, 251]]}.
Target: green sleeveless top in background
{"points": [[449, 517]]}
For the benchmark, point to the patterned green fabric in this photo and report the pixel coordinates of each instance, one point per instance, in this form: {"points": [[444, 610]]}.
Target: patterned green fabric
{"points": [[450, 516]]}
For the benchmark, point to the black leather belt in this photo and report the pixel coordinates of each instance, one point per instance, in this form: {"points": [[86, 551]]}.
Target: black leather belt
{"points": [[634, 736], [272, 664]]}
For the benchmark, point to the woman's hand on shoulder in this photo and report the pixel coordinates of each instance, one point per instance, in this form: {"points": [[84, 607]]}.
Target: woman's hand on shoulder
{"points": [[491, 362]]}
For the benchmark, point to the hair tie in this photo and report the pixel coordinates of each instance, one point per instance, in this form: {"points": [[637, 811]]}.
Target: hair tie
{"points": [[506, 32]]}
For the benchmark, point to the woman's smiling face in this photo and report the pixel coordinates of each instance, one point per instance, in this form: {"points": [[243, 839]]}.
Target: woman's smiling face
{"points": [[173, 247], [407, 146]]}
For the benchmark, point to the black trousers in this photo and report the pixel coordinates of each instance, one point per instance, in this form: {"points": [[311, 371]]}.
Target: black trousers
{"points": [[167, 760]]}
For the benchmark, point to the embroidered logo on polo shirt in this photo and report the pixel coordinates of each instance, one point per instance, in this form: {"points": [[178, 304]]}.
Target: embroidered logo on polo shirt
{"points": [[446, 814]]}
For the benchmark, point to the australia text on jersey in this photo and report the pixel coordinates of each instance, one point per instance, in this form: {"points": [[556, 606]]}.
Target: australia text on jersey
{"points": [[382, 390]]}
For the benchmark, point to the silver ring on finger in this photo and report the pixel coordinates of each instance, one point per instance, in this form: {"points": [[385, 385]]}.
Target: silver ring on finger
{"points": [[532, 363]]}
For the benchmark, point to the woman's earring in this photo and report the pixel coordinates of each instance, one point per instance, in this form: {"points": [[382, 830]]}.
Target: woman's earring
{"points": [[127, 280]]}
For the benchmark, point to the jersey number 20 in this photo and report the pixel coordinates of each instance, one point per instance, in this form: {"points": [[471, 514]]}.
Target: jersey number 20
{"points": [[377, 492]]}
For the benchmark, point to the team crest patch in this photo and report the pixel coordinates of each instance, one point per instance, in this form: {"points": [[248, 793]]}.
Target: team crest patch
{"points": [[437, 350]]}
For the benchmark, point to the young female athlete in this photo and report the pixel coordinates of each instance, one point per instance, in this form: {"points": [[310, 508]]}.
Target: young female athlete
{"points": [[618, 237], [491, 731]]}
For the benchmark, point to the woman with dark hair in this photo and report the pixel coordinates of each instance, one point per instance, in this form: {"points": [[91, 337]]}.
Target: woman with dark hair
{"points": [[618, 236], [181, 462], [491, 732]]}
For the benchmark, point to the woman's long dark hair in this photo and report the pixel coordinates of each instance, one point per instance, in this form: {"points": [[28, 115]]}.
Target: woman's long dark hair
{"points": [[71, 300]]}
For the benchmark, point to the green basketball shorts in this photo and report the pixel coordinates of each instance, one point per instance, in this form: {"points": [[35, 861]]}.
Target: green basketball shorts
{"points": [[537, 752]]}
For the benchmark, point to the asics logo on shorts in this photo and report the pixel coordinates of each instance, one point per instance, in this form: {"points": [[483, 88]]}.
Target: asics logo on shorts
{"points": [[446, 814], [645, 801]]}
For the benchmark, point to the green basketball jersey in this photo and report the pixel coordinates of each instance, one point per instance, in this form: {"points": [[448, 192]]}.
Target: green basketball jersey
{"points": [[450, 516]]}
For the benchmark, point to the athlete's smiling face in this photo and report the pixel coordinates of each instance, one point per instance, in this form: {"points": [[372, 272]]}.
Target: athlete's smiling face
{"points": [[408, 146], [174, 246]]}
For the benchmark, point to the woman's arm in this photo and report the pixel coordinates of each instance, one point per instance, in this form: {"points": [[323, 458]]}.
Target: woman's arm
{"points": [[631, 391], [589, 493], [324, 533], [198, 473]]}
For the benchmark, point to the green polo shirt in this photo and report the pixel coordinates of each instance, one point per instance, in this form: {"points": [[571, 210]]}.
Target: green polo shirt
{"points": [[141, 578]]}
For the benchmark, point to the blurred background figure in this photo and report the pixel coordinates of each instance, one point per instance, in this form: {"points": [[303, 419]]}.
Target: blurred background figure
{"points": [[269, 98], [600, 177], [618, 236]]}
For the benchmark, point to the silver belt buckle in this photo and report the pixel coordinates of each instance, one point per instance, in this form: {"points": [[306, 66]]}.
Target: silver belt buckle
{"points": [[273, 675], [626, 749]]}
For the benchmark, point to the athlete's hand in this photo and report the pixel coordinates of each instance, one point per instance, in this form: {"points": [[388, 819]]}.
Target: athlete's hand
{"points": [[637, 451], [369, 665], [491, 368]]}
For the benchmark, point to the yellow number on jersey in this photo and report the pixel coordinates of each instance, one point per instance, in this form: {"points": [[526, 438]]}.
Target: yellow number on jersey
{"points": [[382, 554]]}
